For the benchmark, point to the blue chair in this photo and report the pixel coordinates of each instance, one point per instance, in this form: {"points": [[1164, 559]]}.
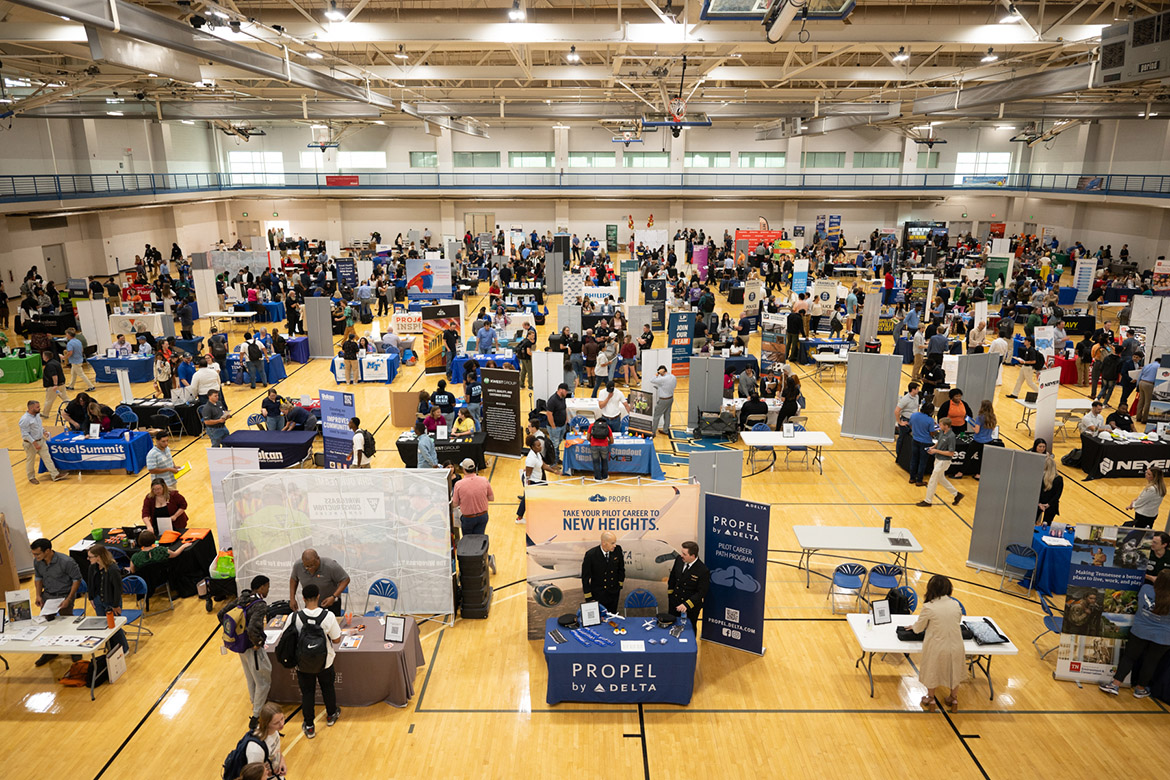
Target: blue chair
{"points": [[1053, 624], [760, 426], [961, 607], [625, 425], [133, 585], [258, 420], [384, 588], [642, 600], [127, 415], [579, 423], [884, 577], [1022, 558], [174, 422], [120, 558], [911, 596], [82, 590], [847, 576], [790, 450]]}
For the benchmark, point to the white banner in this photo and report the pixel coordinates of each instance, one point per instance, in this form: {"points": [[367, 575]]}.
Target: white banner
{"points": [[407, 322], [1083, 278], [599, 294], [1045, 336], [1044, 420], [375, 369], [376, 523]]}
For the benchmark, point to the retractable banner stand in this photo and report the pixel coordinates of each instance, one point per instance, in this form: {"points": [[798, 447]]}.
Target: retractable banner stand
{"points": [[753, 296], [1005, 508], [1108, 569], [548, 371], [501, 412], [871, 314], [626, 268], [94, 323], [428, 277], [680, 327], [1000, 267], [1044, 418], [574, 287], [701, 261], [347, 271], [565, 521], [736, 552], [656, 299], [800, 275], [336, 410], [1045, 342], [205, 295], [871, 391], [436, 319], [1083, 277], [376, 523]]}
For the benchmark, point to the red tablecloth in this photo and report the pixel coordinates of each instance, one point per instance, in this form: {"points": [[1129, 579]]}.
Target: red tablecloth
{"points": [[1068, 370]]}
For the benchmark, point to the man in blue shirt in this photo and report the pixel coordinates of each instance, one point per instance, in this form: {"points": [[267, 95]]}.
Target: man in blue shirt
{"points": [[1146, 389], [921, 430], [364, 295], [427, 457], [75, 354], [937, 344], [912, 319], [486, 340]]}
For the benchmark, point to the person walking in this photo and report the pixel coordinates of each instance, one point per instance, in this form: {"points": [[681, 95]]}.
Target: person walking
{"points": [[75, 355], [664, 384], [472, 496], [32, 436], [1149, 638], [249, 644], [53, 378], [921, 438], [943, 661], [532, 472], [1030, 361], [943, 451], [557, 412], [1145, 507], [318, 635], [263, 749], [162, 375]]}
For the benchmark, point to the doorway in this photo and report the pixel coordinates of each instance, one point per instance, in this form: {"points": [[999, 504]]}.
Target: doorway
{"points": [[55, 269], [479, 222], [1030, 229]]}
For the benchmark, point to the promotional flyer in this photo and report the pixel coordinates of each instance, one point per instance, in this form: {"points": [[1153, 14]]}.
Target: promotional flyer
{"points": [[650, 521]]}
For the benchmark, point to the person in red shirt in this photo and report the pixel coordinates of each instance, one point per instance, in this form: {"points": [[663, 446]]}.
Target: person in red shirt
{"points": [[889, 285], [600, 440], [629, 354], [472, 495]]}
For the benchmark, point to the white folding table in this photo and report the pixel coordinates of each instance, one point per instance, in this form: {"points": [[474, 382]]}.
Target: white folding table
{"points": [[828, 362], [1062, 405], [774, 407], [65, 626], [816, 440], [230, 316], [884, 639], [813, 538]]}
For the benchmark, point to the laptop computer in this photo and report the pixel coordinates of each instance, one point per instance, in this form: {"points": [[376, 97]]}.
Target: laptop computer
{"points": [[1030, 398]]}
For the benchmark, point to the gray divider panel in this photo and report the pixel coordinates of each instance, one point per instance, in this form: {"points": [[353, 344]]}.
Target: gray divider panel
{"points": [[319, 327], [1005, 512], [976, 377], [705, 388], [871, 393]]}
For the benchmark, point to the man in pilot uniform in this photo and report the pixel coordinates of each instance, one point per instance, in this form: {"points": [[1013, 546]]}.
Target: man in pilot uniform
{"points": [[603, 571], [687, 586]]}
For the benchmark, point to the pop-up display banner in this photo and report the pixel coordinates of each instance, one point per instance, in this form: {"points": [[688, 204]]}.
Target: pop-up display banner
{"points": [[501, 412], [336, 410], [737, 554]]}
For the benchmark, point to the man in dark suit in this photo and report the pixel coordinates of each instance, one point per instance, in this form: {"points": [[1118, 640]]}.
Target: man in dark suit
{"points": [[687, 587], [603, 571]]}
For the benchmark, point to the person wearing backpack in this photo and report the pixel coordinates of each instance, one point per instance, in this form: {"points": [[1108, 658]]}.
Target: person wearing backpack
{"points": [[317, 632], [243, 633], [363, 445], [600, 440], [255, 363], [257, 754]]}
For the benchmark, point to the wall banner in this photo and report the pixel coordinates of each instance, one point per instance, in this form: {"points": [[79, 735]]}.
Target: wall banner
{"points": [[737, 554], [565, 520], [1108, 569]]}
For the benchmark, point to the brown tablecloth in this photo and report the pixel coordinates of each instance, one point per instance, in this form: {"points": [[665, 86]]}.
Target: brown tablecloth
{"points": [[366, 675]]}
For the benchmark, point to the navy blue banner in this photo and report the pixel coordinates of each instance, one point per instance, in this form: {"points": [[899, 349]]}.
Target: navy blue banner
{"points": [[656, 297], [736, 552], [336, 410], [682, 326], [347, 271]]}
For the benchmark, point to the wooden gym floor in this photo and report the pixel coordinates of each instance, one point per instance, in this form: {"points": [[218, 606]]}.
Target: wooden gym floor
{"points": [[479, 709]]}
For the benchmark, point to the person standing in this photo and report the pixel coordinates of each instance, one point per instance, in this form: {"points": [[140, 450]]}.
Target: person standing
{"points": [[255, 363], [428, 458], [257, 666], [53, 378], [75, 354], [532, 472], [1149, 638], [664, 384], [349, 352], [794, 333], [325, 574], [1051, 489], [472, 495], [320, 627], [205, 380], [104, 584], [943, 451], [524, 353], [918, 344], [921, 427], [600, 436], [1145, 507], [557, 412], [1159, 558], [1031, 361], [214, 418], [273, 413], [55, 576], [1146, 389], [943, 661], [450, 345], [159, 461], [32, 435], [686, 588], [603, 571], [907, 406], [358, 458], [263, 748]]}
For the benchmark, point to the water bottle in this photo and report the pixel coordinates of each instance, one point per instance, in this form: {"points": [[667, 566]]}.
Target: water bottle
{"points": [[377, 610]]}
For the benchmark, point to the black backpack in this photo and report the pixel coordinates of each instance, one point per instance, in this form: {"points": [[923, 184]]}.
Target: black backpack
{"points": [[254, 351], [600, 429], [368, 445], [312, 644], [236, 760], [899, 603]]}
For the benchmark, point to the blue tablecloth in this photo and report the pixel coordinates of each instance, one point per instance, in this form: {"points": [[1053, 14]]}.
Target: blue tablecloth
{"points": [[1120, 294], [194, 308], [273, 369], [905, 348], [460, 360], [272, 311], [73, 452], [193, 346], [739, 364], [298, 349], [378, 367], [1067, 296], [141, 368], [484, 272], [1052, 564], [603, 673], [628, 455], [278, 449]]}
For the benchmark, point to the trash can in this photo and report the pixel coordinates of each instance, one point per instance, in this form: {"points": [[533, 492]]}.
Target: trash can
{"points": [[872, 347]]}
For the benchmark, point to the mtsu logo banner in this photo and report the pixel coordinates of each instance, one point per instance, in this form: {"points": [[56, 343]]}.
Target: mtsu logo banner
{"points": [[736, 552]]}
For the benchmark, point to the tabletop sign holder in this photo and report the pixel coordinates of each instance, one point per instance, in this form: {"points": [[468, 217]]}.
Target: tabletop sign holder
{"points": [[95, 431], [395, 628], [789, 431], [111, 353], [590, 614], [880, 611]]}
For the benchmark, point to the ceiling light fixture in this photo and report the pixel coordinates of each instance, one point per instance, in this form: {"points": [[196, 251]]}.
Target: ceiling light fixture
{"points": [[114, 113], [319, 127], [379, 122], [333, 14], [991, 56], [516, 13], [5, 100], [902, 55], [186, 121], [314, 55], [573, 56], [1012, 16], [1005, 127], [401, 53], [923, 127]]}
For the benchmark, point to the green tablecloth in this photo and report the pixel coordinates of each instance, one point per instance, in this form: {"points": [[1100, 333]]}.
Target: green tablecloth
{"points": [[20, 370]]}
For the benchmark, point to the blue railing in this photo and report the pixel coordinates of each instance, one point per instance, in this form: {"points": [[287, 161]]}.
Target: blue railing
{"points": [[54, 187]]}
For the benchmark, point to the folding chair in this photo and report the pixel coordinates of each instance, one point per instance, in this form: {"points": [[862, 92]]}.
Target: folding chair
{"points": [[1052, 625], [120, 558], [384, 588], [641, 600], [155, 576], [129, 418], [760, 426], [1022, 558], [847, 576], [883, 577], [82, 590], [911, 596], [134, 585], [258, 420], [790, 450], [173, 422]]}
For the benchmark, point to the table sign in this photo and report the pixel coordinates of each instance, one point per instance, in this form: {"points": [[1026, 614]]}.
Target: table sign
{"points": [[95, 430], [789, 430], [881, 612], [395, 628], [590, 613]]}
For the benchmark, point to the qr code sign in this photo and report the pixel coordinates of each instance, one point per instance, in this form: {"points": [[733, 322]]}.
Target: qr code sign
{"points": [[731, 615]]}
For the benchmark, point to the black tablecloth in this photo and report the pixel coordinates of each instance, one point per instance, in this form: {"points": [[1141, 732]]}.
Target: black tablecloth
{"points": [[968, 459], [278, 449], [520, 292], [1121, 459], [453, 450], [53, 323], [189, 422], [182, 573]]}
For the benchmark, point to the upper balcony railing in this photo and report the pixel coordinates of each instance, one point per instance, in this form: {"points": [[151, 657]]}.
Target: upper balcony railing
{"points": [[14, 189]]}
